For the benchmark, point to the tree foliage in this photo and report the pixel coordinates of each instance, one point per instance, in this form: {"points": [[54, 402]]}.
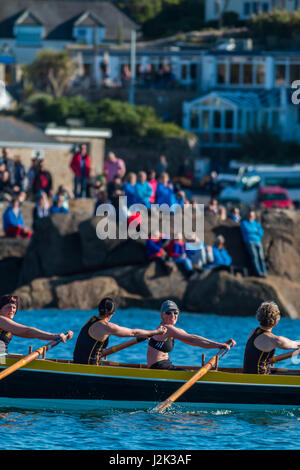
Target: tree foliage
{"points": [[51, 71], [122, 117], [278, 23]]}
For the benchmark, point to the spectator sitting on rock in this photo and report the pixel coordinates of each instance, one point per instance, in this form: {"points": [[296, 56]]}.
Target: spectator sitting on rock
{"points": [[66, 193], [221, 257], [235, 215], [13, 222], [113, 166], [41, 208], [176, 252], [153, 183], [155, 247], [197, 252], [252, 233], [164, 191], [129, 188], [42, 180], [213, 207], [58, 207], [102, 198], [143, 190], [6, 189]]}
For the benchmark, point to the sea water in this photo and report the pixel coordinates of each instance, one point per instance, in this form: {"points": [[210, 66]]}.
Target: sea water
{"points": [[176, 429]]}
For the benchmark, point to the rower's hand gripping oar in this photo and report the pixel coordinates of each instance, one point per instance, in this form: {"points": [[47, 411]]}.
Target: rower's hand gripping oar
{"points": [[32, 356], [198, 375], [283, 357], [121, 346]]}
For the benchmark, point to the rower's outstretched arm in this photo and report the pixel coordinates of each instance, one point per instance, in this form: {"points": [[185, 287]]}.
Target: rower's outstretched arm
{"points": [[195, 340], [284, 343], [26, 331], [124, 332]]}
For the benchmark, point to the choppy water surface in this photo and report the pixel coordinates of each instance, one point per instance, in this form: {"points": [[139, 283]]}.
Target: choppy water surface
{"points": [[176, 429]]}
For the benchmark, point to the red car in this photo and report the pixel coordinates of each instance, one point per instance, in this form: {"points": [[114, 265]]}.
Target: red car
{"points": [[274, 196]]}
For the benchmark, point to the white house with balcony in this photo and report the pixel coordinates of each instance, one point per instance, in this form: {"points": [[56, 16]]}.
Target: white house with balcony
{"points": [[245, 8]]}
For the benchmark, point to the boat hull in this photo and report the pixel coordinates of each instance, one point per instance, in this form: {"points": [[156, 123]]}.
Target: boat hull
{"points": [[49, 382]]}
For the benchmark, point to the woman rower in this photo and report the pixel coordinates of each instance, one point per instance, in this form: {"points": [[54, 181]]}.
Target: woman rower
{"points": [[261, 344], [9, 305], [94, 335], [161, 345]]}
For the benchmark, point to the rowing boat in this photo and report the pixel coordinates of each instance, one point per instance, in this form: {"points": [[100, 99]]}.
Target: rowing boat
{"points": [[54, 383]]}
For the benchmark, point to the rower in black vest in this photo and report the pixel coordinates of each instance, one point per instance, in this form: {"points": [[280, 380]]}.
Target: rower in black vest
{"points": [[9, 305], [261, 344], [94, 335], [160, 347]]}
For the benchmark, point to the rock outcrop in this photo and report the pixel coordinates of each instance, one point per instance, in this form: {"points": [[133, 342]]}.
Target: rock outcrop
{"points": [[66, 265]]}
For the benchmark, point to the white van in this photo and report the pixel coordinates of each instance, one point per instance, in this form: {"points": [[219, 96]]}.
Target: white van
{"points": [[245, 191]]}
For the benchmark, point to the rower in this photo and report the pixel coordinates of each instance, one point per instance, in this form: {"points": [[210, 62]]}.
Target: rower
{"points": [[161, 345], [94, 335], [261, 344], [9, 305]]}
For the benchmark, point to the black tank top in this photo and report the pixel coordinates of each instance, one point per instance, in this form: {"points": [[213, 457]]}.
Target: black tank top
{"points": [[163, 346], [5, 338], [87, 349], [256, 360]]}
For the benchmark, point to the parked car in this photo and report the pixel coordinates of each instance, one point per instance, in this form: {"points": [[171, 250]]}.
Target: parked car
{"points": [[272, 197]]}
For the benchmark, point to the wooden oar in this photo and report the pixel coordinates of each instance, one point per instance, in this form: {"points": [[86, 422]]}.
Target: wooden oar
{"points": [[283, 357], [121, 346], [29, 358], [199, 374]]}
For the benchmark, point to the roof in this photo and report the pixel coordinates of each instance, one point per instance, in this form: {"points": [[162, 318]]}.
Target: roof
{"points": [[58, 17], [15, 130], [246, 98]]}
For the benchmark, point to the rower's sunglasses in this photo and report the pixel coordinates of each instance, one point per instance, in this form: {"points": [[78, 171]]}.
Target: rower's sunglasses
{"points": [[169, 312]]}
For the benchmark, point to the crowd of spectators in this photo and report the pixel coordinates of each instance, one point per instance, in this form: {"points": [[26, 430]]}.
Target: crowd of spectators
{"points": [[155, 186]]}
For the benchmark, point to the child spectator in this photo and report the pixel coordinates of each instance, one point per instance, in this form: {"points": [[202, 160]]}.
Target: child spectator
{"points": [[13, 222], [155, 247], [176, 252], [197, 252], [58, 207], [235, 215]]}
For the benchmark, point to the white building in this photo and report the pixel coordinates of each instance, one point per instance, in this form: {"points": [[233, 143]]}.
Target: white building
{"points": [[245, 8], [243, 92]]}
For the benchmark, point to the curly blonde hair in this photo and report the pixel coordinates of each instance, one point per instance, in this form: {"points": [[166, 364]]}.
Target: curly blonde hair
{"points": [[268, 314]]}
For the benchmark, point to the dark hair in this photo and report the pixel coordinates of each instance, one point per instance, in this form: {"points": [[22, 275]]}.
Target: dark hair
{"points": [[106, 307], [9, 299]]}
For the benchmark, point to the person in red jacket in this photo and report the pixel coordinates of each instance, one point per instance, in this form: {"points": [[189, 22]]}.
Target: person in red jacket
{"points": [[81, 166]]}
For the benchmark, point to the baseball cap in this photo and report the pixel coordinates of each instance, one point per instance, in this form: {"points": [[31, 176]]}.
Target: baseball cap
{"points": [[168, 305]]}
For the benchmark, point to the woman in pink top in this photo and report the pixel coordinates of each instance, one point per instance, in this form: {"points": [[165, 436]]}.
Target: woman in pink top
{"points": [[113, 166], [153, 183]]}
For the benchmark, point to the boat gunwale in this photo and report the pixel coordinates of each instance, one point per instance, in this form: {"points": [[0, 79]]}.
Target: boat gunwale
{"points": [[221, 376]]}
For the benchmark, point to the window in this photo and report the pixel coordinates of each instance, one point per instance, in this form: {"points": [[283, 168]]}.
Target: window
{"points": [[280, 74], [294, 72], [221, 73], [246, 8], [248, 74], [28, 35], [229, 119], [194, 119], [235, 74], [260, 74]]}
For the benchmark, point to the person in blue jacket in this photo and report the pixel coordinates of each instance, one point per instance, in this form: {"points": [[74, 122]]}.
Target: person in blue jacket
{"points": [[165, 191], [220, 255], [129, 188], [252, 233], [13, 222], [143, 190], [58, 207]]}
